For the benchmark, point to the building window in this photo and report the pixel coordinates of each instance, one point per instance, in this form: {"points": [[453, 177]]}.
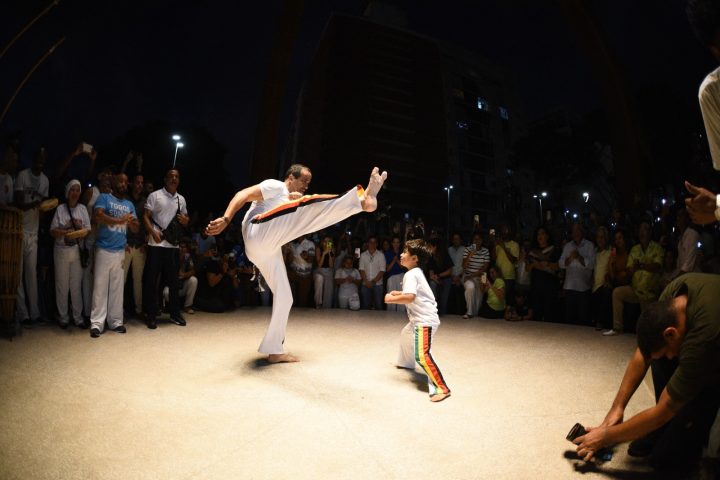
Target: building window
{"points": [[482, 104], [504, 113]]}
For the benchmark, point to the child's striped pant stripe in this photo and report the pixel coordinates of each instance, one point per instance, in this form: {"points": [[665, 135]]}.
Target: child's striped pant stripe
{"points": [[423, 337]]}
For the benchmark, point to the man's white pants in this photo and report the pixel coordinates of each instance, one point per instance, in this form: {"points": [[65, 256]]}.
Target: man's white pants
{"points": [[473, 296], [394, 282], [107, 302], [324, 287], [28, 282], [87, 279], [187, 290], [263, 242], [68, 278], [135, 257]]}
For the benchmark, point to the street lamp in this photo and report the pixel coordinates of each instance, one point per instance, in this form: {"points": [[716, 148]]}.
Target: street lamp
{"points": [[539, 197], [586, 197], [178, 144], [448, 189]]}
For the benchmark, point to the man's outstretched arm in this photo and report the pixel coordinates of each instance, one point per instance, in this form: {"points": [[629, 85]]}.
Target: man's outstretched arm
{"points": [[249, 194]]}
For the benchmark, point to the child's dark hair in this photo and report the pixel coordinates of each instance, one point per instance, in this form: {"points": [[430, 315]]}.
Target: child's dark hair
{"points": [[420, 249]]}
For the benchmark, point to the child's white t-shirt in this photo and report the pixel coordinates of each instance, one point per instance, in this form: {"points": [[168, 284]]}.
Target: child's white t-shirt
{"points": [[422, 310]]}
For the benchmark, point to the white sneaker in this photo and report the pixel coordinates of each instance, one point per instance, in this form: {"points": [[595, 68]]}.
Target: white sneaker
{"points": [[610, 333]]}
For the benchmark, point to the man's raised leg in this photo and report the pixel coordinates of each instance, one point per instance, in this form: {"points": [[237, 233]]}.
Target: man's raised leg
{"points": [[369, 201]]}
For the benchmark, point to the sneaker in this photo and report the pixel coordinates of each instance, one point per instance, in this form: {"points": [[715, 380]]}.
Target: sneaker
{"points": [[610, 333], [95, 332], [178, 319], [120, 329]]}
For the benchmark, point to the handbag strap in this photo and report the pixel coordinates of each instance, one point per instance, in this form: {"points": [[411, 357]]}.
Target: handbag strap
{"points": [[72, 221], [177, 212]]}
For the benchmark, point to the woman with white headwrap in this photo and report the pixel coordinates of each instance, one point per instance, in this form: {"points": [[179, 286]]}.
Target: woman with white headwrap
{"points": [[69, 217]]}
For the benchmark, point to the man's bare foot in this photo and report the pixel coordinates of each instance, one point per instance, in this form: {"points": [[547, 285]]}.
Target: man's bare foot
{"points": [[281, 358], [369, 203], [439, 397]]}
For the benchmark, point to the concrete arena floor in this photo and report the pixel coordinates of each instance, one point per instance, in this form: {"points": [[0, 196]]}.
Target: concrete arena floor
{"points": [[200, 403]]}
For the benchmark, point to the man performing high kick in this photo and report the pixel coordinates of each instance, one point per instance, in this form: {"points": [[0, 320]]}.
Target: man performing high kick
{"points": [[280, 213]]}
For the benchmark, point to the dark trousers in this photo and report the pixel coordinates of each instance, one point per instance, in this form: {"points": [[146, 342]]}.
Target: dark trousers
{"points": [[441, 291], [683, 437], [301, 286], [601, 305], [371, 297], [543, 296], [510, 292], [577, 306], [162, 266]]}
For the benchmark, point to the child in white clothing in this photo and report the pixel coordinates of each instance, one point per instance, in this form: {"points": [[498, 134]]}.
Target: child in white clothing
{"points": [[423, 318]]}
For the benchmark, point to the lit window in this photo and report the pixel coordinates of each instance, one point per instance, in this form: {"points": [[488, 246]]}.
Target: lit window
{"points": [[482, 104], [504, 113]]}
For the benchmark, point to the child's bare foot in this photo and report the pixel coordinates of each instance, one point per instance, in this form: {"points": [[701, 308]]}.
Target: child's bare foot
{"points": [[281, 358], [439, 397], [369, 203]]}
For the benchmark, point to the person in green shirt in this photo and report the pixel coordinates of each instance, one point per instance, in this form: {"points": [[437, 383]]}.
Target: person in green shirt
{"points": [[679, 338], [644, 264], [493, 288], [505, 255]]}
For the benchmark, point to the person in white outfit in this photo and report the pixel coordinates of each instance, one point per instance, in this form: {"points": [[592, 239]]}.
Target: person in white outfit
{"points": [[278, 214], [476, 260], [88, 198], [31, 188], [416, 337], [69, 217], [348, 281]]}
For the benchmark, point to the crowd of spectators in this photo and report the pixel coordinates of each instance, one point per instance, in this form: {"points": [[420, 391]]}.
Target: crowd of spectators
{"points": [[583, 271]]}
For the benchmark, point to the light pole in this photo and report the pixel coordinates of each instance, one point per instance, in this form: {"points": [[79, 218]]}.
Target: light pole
{"points": [[178, 144], [448, 189], [539, 197]]}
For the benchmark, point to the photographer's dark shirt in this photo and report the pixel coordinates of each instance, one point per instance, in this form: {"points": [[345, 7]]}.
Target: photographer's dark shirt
{"points": [[699, 359]]}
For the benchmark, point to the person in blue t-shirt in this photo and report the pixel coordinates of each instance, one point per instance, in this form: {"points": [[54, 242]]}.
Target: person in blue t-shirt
{"points": [[114, 214]]}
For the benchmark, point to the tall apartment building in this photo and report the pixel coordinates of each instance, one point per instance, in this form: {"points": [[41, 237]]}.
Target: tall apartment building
{"points": [[430, 114]]}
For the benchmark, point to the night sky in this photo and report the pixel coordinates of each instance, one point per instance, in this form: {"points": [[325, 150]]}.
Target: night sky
{"points": [[203, 62]]}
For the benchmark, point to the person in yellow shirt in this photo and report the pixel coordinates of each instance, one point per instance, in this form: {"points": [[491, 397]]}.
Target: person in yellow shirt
{"points": [[493, 287], [644, 265], [505, 255]]}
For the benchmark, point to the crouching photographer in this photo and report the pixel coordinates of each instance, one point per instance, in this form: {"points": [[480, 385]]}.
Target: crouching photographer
{"points": [[218, 279]]}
